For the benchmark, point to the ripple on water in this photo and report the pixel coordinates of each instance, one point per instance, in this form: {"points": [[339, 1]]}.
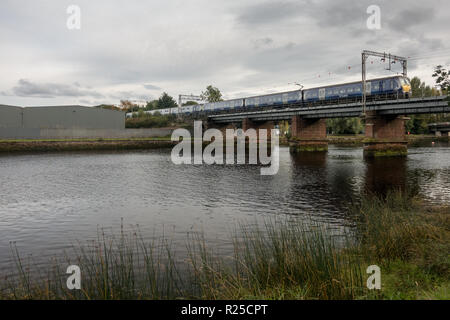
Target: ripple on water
{"points": [[50, 201]]}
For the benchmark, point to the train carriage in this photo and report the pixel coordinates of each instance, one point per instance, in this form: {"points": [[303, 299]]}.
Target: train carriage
{"points": [[382, 88], [187, 109], [197, 108], [164, 111], [274, 99], [238, 103], [221, 105], [224, 105], [208, 107], [292, 96], [397, 86]]}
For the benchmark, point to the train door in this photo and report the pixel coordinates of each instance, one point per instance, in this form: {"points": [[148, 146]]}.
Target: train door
{"points": [[322, 94], [381, 90], [369, 88]]}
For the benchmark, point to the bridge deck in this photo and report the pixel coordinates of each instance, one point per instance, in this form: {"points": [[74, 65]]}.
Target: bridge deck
{"points": [[387, 107], [442, 126]]}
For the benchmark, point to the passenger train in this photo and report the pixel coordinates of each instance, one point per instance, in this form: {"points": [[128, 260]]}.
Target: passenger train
{"points": [[377, 89]]}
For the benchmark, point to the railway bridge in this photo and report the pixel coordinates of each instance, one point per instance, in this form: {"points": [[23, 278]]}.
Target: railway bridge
{"points": [[440, 129], [384, 122]]}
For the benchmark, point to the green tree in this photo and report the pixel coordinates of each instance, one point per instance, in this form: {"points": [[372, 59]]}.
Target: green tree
{"points": [[152, 105], [166, 101], [344, 126], [416, 87], [212, 94], [190, 103], [418, 124], [442, 78], [420, 89]]}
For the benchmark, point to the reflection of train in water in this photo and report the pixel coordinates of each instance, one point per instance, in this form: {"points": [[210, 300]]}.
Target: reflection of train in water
{"points": [[377, 89]]}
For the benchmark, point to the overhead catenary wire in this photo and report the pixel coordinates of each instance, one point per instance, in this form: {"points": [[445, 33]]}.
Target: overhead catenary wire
{"points": [[338, 73]]}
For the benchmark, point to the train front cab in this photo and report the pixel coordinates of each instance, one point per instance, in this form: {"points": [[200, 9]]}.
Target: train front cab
{"points": [[406, 87]]}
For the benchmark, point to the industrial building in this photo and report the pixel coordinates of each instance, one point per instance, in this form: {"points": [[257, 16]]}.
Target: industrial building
{"points": [[59, 122]]}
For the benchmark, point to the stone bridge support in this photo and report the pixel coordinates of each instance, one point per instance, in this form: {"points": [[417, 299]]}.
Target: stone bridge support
{"points": [[219, 126], [385, 135], [267, 125], [308, 135], [223, 128]]}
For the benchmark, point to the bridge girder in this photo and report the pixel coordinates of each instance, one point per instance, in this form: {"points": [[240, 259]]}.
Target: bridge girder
{"points": [[389, 107]]}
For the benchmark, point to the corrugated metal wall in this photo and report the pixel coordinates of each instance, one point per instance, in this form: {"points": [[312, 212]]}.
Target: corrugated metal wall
{"points": [[10, 117], [68, 117], [30, 121], [64, 117]]}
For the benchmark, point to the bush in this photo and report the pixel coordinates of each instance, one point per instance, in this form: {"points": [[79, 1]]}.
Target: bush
{"points": [[149, 121]]}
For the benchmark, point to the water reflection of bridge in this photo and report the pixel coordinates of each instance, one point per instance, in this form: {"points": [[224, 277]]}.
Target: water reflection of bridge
{"points": [[385, 174], [379, 176]]}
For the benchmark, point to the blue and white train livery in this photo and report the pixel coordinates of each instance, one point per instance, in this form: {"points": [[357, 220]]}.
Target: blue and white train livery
{"points": [[397, 86], [383, 88]]}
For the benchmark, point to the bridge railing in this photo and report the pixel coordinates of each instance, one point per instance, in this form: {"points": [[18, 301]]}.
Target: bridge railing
{"points": [[328, 105], [404, 106]]}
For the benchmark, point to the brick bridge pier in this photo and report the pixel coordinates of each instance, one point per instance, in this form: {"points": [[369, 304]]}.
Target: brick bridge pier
{"points": [[308, 135], [245, 125], [385, 134]]}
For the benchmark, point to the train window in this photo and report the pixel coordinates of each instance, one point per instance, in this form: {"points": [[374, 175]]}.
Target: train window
{"points": [[396, 84]]}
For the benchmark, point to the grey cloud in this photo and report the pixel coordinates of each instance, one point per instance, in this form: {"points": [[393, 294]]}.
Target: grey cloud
{"points": [[262, 42], [238, 46], [288, 57], [404, 20], [151, 87], [26, 88], [129, 95], [338, 14], [269, 12]]}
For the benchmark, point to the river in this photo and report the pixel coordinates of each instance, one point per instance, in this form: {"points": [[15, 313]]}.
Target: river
{"points": [[50, 201]]}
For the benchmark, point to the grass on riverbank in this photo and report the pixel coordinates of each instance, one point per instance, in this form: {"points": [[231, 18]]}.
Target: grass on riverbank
{"points": [[409, 241], [358, 140], [57, 145], [87, 139]]}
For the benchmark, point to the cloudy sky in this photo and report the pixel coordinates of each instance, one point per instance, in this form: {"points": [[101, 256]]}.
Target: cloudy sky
{"points": [[137, 49]]}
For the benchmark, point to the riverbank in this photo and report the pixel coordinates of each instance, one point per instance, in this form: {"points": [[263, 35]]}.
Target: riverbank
{"points": [[283, 259], [54, 145], [354, 140]]}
